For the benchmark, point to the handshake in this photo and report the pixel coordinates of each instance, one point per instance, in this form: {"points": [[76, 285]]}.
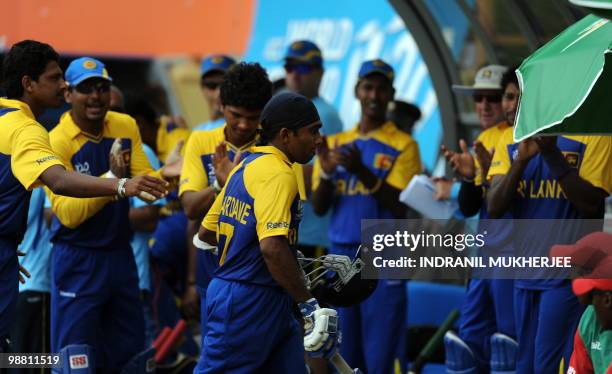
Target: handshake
{"points": [[321, 333]]}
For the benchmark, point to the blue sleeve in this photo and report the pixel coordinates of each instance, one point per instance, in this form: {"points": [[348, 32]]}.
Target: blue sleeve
{"points": [[334, 123], [454, 195], [47, 202], [329, 117]]}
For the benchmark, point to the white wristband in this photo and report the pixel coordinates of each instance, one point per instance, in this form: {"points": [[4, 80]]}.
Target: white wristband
{"points": [[325, 176], [121, 187], [203, 245]]}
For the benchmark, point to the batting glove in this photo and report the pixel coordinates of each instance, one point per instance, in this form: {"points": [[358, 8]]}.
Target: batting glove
{"points": [[321, 329]]}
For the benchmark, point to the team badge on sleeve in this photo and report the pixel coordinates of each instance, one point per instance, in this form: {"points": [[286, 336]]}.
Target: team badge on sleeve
{"points": [[383, 161]]}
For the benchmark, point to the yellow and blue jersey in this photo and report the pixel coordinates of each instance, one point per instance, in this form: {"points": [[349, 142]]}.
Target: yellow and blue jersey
{"points": [[540, 196], [102, 221], [261, 199], [168, 135], [25, 153], [198, 171], [391, 155]]}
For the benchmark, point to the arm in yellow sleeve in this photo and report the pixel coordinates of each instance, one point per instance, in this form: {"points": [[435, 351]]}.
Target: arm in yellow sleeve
{"points": [[273, 200], [406, 165], [212, 217], [72, 211], [31, 155]]}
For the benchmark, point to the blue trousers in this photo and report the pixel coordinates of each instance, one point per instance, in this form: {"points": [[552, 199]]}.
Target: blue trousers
{"points": [[546, 321], [9, 286], [250, 329], [373, 332], [488, 308], [95, 301]]}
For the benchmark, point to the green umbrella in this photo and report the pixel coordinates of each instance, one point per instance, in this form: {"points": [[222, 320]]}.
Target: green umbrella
{"points": [[567, 84], [602, 8]]}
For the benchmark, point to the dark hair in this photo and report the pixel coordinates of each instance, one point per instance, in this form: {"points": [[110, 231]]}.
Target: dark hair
{"points": [[137, 106], [509, 77], [246, 85], [28, 57]]}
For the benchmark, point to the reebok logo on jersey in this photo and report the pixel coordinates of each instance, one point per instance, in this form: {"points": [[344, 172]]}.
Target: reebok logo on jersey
{"points": [[45, 159], [277, 225], [79, 362]]}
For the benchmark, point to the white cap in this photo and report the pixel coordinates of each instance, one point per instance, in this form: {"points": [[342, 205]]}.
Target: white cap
{"points": [[487, 78]]}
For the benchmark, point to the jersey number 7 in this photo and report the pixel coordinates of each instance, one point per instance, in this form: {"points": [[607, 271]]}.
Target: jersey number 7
{"points": [[226, 231]]}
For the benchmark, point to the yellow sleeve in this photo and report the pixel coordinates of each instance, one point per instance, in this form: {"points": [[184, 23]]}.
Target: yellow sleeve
{"points": [[406, 165], [597, 162], [488, 140], [72, 211], [31, 155], [170, 140], [501, 159], [211, 219], [193, 174], [273, 199]]}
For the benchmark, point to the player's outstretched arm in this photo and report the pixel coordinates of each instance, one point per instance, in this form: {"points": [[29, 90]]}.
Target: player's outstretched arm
{"points": [[68, 183]]}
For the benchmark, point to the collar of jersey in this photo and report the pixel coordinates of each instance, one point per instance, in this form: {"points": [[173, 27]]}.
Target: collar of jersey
{"points": [[502, 125], [273, 150], [73, 130], [384, 128], [233, 147], [25, 108]]}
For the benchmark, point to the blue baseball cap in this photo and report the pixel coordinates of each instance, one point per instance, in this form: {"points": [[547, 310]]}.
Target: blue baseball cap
{"points": [[85, 68], [304, 51], [216, 63], [377, 66]]}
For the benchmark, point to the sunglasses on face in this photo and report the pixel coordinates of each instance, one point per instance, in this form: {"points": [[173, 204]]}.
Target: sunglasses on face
{"points": [[87, 88], [299, 68], [492, 98], [211, 85]]}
